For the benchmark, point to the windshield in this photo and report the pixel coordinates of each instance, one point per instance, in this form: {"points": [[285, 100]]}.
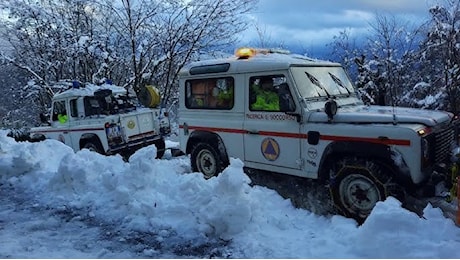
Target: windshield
{"points": [[314, 82]]}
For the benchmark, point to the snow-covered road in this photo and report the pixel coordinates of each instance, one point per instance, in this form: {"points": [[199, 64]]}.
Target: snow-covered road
{"points": [[55, 203]]}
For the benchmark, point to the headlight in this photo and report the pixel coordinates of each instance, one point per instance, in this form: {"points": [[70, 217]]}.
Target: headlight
{"points": [[425, 146]]}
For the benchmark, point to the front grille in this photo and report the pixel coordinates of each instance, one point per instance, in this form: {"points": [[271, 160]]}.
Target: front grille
{"points": [[444, 140]]}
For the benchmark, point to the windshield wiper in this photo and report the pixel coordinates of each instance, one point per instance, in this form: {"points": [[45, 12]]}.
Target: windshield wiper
{"points": [[316, 82], [339, 82]]}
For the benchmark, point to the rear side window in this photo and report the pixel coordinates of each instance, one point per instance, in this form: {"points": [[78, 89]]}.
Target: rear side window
{"points": [[73, 108], [211, 93]]}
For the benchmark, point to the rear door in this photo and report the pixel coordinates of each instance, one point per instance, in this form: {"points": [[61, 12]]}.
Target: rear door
{"points": [[138, 125]]}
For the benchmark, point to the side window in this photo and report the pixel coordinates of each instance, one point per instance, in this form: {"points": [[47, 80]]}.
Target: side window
{"points": [[92, 106], [270, 93], [214, 93], [59, 112], [73, 108]]}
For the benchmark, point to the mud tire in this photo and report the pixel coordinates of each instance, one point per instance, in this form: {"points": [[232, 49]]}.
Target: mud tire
{"points": [[161, 148], [93, 146], [206, 159], [356, 185]]}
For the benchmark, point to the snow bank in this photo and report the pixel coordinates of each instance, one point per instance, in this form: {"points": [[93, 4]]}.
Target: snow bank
{"points": [[163, 197]]}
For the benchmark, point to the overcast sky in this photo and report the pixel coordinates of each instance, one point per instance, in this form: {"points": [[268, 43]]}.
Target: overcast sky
{"points": [[308, 24]]}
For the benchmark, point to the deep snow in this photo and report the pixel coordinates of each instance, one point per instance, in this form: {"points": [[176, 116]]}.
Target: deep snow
{"points": [[55, 203]]}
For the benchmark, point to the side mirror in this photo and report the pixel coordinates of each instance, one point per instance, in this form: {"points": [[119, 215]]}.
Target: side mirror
{"points": [[285, 98], [44, 119]]}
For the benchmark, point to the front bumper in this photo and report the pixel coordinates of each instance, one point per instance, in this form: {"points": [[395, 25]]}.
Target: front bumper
{"points": [[443, 178]]}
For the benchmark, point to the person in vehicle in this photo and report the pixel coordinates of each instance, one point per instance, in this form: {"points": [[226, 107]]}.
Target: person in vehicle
{"points": [[62, 118], [266, 97]]}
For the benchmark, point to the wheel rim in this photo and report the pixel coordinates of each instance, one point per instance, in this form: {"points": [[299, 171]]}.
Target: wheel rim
{"points": [[206, 163], [359, 194]]}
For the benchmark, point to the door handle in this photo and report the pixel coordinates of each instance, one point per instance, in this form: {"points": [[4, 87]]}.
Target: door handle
{"points": [[253, 132]]}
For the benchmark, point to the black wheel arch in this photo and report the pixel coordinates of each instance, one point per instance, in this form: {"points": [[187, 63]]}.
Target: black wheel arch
{"points": [[206, 137], [161, 147], [374, 151], [90, 138], [37, 137]]}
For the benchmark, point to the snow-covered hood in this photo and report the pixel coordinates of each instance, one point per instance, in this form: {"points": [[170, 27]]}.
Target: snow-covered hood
{"points": [[384, 114]]}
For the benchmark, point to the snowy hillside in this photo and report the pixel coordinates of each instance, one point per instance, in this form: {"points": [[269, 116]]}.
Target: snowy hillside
{"points": [[55, 203]]}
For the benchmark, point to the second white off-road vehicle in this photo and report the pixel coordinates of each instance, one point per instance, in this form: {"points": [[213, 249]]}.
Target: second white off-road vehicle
{"points": [[106, 119]]}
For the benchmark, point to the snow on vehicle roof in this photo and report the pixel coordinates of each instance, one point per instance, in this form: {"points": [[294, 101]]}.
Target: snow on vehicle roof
{"points": [[259, 62], [89, 89]]}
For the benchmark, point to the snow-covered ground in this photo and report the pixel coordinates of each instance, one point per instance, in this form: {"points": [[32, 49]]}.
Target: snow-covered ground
{"points": [[55, 203]]}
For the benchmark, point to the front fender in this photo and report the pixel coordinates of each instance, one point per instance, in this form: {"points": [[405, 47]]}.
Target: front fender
{"points": [[381, 152]]}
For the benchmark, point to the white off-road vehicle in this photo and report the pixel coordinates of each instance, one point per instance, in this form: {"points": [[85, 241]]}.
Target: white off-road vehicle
{"points": [[106, 119], [320, 129]]}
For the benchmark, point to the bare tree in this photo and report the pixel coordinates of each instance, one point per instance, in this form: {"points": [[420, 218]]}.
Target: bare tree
{"points": [[441, 50], [53, 40], [164, 35], [192, 29], [131, 42], [264, 36], [345, 50], [385, 61], [135, 25]]}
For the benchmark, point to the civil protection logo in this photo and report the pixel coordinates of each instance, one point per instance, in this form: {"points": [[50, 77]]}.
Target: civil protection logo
{"points": [[131, 124], [270, 149]]}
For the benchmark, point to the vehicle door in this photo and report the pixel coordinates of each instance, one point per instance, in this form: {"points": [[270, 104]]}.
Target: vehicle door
{"points": [[60, 122], [272, 137]]}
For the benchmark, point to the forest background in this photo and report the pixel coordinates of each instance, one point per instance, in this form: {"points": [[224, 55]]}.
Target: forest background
{"points": [[45, 44]]}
